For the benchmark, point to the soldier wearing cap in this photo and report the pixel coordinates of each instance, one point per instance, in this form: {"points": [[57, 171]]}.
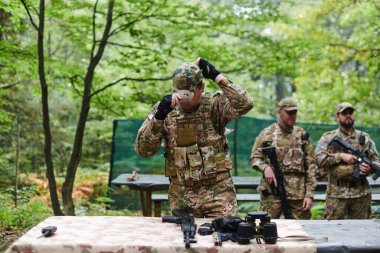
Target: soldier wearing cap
{"points": [[191, 123], [296, 158], [346, 196]]}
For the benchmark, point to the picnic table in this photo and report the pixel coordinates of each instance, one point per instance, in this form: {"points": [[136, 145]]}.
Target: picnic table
{"points": [[146, 184]]}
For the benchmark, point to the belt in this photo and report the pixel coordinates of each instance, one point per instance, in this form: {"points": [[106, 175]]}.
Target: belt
{"points": [[206, 182], [350, 183]]}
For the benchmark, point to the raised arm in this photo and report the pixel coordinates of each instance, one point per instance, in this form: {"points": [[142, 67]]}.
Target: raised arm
{"points": [[149, 136], [229, 103]]}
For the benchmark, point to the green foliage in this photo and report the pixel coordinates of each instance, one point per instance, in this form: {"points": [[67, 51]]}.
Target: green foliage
{"points": [[244, 208], [102, 206], [317, 211], [342, 59], [28, 212]]}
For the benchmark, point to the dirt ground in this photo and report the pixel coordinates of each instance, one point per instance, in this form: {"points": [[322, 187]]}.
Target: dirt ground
{"points": [[7, 237]]}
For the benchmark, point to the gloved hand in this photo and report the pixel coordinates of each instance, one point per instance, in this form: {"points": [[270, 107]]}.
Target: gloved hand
{"points": [[208, 70], [164, 107]]}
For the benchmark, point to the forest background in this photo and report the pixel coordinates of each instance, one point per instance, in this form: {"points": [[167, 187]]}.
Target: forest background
{"points": [[69, 68]]}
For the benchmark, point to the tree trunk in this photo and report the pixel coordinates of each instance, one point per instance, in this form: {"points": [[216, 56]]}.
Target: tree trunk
{"points": [[45, 114], [67, 188], [17, 159], [280, 86], [4, 19]]}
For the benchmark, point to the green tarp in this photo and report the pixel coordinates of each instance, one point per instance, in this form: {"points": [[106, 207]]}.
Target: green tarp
{"points": [[124, 159]]}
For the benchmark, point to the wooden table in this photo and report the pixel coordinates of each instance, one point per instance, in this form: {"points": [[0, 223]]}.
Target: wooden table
{"points": [[94, 234], [126, 234]]}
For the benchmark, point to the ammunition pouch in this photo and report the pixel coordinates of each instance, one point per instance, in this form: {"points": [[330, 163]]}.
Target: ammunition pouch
{"points": [[194, 163], [345, 171], [350, 183], [206, 182], [187, 132], [264, 188], [293, 161]]}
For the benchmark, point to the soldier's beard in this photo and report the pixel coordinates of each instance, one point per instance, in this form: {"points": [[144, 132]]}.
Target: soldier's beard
{"points": [[347, 123]]}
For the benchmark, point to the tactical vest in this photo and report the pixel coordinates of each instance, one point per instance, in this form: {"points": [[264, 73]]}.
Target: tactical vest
{"points": [[343, 171], [289, 150], [193, 149]]}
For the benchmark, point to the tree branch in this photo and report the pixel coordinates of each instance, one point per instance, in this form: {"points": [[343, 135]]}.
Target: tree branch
{"points": [[109, 108], [93, 30], [139, 17], [353, 48], [129, 79], [130, 13], [126, 26], [8, 85], [72, 81], [130, 46], [30, 15]]}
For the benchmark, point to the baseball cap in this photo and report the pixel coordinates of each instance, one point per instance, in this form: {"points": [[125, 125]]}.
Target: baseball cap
{"points": [[288, 104], [343, 106], [186, 78]]}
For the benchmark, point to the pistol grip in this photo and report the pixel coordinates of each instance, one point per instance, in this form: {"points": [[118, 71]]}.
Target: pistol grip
{"points": [[357, 171]]}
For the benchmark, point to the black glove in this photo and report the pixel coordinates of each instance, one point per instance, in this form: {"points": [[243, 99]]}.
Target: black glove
{"points": [[164, 107], [210, 72]]}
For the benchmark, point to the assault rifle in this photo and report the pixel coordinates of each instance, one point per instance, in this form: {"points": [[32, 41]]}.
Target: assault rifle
{"points": [[188, 226], [360, 158], [270, 152]]}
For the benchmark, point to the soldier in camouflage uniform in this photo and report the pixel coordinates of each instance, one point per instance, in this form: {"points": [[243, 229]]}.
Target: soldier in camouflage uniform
{"points": [[346, 196], [296, 158], [191, 124]]}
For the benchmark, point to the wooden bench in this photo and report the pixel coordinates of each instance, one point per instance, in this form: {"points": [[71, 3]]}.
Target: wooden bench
{"points": [[241, 197]]}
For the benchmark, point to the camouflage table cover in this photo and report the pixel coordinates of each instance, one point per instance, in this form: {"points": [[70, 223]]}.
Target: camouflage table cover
{"points": [[118, 234]]}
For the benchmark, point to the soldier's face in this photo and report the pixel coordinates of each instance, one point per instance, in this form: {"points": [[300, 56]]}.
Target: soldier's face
{"points": [[287, 118], [346, 118], [197, 98]]}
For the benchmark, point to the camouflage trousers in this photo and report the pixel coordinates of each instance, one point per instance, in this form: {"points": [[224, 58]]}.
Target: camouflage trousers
{"points": [[272, 205], [215, 200], [353, 208]]}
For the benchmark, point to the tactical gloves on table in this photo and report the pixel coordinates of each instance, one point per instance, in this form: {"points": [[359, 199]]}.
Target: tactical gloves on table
{"points": [[208, 70], [164, 107]]}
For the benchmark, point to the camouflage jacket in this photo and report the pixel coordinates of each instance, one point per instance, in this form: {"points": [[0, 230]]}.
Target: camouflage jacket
{"points": [[207, 124], [296, 158], [340, 186]]}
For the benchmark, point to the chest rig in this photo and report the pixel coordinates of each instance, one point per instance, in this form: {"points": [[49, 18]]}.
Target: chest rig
{"points": [[342, 175], [289, 150], [193, 149]]}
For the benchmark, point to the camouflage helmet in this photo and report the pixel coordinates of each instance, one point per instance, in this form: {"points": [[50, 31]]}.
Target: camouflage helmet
{"points": [[186, 78], [343, 106], [288, 104]]}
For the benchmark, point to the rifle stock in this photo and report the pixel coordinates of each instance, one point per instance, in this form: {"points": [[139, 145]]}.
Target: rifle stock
{"points": [[270, 152]]}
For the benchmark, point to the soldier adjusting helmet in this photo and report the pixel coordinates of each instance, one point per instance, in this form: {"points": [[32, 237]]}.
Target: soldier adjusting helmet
{"points": [[186, 78]]}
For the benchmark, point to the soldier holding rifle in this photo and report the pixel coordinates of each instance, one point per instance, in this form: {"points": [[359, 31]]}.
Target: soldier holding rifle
{"points": [[289, 188], [348, 193]]}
